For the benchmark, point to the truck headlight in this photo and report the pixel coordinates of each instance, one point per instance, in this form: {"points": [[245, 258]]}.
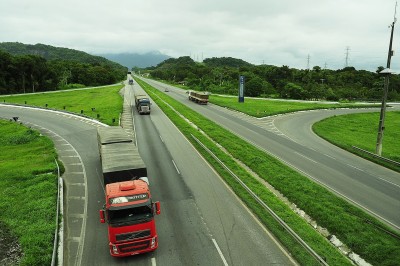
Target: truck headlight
{"points": [[114, 249], [153, 242]]}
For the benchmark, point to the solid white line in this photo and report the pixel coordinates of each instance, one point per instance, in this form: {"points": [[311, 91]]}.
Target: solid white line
{"points": [[176, 167], [219, 252], [153, 261]]}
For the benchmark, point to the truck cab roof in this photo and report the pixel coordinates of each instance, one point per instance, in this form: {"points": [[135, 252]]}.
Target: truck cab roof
{"points": [[127, 192]]}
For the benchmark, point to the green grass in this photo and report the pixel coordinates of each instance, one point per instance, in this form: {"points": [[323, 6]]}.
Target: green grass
{"points": [[28, 189], [344, 220], [306, 232], [360, 130], [341, 218], [27, 181], [265, 107], [106, 101]]}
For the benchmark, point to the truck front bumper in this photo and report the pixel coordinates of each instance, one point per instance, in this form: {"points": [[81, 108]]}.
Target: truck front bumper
{"points": [[134, 247]]}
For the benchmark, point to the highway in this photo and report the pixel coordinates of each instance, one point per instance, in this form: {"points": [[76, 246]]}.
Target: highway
{"points": [[201, 223], [290, 139]]}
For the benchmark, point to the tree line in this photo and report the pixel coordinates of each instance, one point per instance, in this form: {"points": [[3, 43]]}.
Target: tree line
{"points": [[23, 70], [221, 75]]}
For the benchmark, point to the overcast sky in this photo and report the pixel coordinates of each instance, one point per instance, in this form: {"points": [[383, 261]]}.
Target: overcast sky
{"points": [[276, 32]]}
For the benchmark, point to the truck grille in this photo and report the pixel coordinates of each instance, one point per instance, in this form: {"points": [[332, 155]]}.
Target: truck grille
{"points": [[135, 246], [133, 235]]}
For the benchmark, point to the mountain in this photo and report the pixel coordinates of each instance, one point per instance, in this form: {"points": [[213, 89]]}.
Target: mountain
{"points": [[137, 60], [53, 53], [44, 67]]}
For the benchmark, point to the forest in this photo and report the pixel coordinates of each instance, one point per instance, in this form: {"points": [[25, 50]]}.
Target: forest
{"points": [[33, 68], [221, 75]]}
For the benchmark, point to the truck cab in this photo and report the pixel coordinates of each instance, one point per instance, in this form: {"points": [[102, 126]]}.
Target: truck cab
{"points": [[142, 104], [129, 212]]}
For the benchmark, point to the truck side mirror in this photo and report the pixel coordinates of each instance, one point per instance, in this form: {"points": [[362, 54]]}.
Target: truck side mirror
{"points": [[102, 219], [158, 207]]}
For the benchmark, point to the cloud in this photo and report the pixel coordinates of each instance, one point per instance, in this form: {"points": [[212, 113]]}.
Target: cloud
{"points": [[281, 32]]}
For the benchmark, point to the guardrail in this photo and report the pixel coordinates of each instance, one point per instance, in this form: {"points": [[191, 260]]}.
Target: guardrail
{"points": [[54, 258], [265, 206], [377, 156]]}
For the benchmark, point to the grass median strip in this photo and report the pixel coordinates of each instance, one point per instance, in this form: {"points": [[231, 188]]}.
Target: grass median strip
{"points": [[351, 225], [325, 249], [266, 107], [28, 189], [103, 104]]}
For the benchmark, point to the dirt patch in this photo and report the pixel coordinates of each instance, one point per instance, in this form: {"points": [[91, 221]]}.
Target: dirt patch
{"points": [[10, 251]]}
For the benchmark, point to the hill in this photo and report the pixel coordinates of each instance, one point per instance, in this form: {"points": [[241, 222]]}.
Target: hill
{"points": [[225, 62], [131, 60], [50, 53], [31, 68], [220, 76]]}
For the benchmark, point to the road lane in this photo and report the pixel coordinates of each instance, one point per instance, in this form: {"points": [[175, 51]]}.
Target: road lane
{"points": [[354, 178], [201, 202], [202, 221], [76, 149]]}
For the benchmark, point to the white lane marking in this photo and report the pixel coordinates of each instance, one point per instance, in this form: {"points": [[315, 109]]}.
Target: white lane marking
{"points": [[352, 166], [176, 167], [388, 182], [220, 252], [161, 139], [327, 155], [306, 157], [153, 261]]}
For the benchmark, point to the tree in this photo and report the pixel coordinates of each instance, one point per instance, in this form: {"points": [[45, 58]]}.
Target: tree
{"points": [[293, 91], [254, 87]]}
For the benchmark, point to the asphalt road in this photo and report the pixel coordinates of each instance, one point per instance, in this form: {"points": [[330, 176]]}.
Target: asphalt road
{"points": [[290, 139], [201, 222]]}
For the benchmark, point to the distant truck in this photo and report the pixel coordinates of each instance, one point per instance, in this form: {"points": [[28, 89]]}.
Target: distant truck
{"points": [[142, 103], [131, 82], [129, 209], [198, 97]]}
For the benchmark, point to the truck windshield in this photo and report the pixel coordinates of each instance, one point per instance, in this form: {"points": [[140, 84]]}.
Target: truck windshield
{"points": [[129, 216]]}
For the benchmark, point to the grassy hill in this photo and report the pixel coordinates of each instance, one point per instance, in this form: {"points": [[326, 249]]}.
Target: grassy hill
{"points": [[55, 53]]}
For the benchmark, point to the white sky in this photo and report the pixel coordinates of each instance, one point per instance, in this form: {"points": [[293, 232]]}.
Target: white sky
{"points": [[279, 32]]}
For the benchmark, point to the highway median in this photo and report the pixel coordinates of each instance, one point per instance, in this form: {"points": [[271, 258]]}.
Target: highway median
{"points": [[361, 234]]}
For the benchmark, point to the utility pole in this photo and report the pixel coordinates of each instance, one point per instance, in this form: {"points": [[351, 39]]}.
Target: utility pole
{"points": [[387, 73], [308, 62]]}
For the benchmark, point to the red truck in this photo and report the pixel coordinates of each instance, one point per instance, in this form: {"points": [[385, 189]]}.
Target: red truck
{"points": [[129, 209]]}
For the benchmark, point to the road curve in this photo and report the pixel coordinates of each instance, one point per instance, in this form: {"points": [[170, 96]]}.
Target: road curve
{"points": [[290, 139], [202, 221]]}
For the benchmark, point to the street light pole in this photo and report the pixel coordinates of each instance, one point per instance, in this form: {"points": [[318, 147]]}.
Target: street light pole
{"points": [[387, 73]]}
